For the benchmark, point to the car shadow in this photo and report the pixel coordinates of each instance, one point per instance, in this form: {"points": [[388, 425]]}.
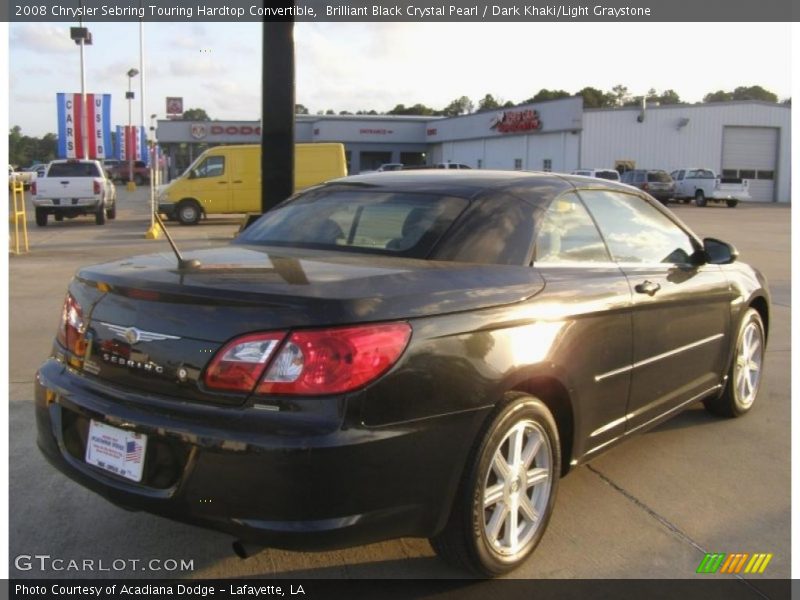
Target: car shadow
{"points": [[693, 416]]}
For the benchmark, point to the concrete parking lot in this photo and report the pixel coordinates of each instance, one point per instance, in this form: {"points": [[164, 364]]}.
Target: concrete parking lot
{"points": [[650, 508]]}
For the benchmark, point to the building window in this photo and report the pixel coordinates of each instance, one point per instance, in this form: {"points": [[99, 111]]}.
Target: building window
{"points": [[765, 174], [747, 173], [547, 165], [518, 164], [730, 173]]}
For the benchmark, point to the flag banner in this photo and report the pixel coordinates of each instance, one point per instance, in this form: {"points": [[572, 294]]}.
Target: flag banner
{"points": [[131, 143], [71, 125]]}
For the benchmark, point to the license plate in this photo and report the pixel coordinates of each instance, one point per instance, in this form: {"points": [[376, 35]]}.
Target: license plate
{"points": [[116, 450]]}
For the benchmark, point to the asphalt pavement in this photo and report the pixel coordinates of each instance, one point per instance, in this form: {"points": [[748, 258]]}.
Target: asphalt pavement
{"points": [[650, 508]]}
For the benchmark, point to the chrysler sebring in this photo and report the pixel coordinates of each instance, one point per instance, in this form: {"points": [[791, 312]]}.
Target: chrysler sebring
{"points": [[417, 353]]}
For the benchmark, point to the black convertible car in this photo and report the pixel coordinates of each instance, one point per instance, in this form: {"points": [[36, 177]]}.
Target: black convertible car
{"points": [[400, 354]]}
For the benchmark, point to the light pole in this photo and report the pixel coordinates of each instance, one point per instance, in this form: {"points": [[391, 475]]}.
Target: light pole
{"points": [[129, 96]]}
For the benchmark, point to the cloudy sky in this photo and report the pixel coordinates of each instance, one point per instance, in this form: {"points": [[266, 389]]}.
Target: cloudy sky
{"points": [[343, 66]]}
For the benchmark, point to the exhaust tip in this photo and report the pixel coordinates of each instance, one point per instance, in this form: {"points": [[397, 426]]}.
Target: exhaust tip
{"points": [[245, 550]]}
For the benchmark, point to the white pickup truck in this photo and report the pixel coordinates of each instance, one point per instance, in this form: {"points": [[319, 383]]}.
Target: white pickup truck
{"points": [[703, 185], [71, 188]]}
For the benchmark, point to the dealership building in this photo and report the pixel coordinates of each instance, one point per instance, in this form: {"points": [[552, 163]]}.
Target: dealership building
{"points": [[737, 139]]}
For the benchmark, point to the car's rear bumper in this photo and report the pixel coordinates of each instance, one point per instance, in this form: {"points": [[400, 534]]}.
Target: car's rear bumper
{"points": [[262, 476]]}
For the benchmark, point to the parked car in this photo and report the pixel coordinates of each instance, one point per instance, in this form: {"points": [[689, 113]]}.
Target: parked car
{"points": [[71, 188], [610, 174], [398, 354], [23, 176], [441, 165], [121, 171], [655, 182], [702, 185], [389, 167]]}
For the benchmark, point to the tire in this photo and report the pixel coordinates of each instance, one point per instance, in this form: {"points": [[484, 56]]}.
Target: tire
{"points": [[187, 212], [700, 198], [137, 179], [58, 217], [111, 213], [731, 203], [41, 217], [478, 535], [745, 372], [100, 216]]}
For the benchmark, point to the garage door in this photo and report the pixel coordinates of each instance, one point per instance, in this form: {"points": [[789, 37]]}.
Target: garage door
{"points": [[752, 153]]}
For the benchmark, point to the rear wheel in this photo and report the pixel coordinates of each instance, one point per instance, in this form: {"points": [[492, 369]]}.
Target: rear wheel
{"points": [[111, 213], [507, 491], [41, 217], [100, 216], [699, 198], [137, 179], [732, 203], [188, 212], [744, 375]]}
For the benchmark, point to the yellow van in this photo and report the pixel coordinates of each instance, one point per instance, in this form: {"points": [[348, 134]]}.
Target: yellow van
{"points": [[227, 179]]}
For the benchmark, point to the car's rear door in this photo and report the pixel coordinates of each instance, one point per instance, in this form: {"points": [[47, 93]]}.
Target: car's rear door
{"points": [[681, 309]]}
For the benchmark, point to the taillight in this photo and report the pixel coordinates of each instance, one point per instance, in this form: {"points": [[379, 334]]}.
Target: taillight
{"points": [[97, 188], [71, 328], [33, 188], [334, 361], [240, 364]]}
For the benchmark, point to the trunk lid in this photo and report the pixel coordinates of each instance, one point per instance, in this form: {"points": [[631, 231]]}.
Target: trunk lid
{"points": [[155, 329]]}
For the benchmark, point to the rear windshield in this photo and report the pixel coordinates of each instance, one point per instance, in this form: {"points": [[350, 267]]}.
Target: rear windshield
{"points": [[401, 224], [76, 169], [612, 175], [658, 177]]}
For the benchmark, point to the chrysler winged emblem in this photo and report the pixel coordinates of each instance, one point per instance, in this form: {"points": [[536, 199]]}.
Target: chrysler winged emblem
{"points": [[132, 335]]}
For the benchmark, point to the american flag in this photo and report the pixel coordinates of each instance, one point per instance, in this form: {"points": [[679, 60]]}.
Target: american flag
{"points": [[133, 451]]}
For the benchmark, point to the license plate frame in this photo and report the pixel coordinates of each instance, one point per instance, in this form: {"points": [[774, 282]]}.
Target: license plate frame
{"points": [[118, 451]]}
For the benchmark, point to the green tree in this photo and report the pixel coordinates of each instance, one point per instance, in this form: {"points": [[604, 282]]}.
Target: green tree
{"points": [[621, 94], [300, 109], [718, 96], [594, 98], [754, 92], [459, 106], [669, 97], [543, 95], [488, 103], [24, 150], [195, 114]]}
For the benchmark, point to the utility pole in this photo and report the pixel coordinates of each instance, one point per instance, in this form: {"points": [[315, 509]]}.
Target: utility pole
{"points": [[277, 112]]}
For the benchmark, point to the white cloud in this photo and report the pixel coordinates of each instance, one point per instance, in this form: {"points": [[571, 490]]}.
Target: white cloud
{"points": [[44, 39], [189, 67]]}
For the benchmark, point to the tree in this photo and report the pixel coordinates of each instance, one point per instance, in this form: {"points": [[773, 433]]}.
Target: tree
{"points": [[300, 109], [23, 150], [754, 92], [345, 112], [459, 106], [594, 98], [195, 114], [669, 97], [718, 96], [620, 94], [488, 103], [543, 95]]}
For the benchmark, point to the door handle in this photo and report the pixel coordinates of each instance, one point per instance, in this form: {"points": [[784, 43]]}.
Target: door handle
{"points": [[222, 182], [238, 181], [647, 287]]}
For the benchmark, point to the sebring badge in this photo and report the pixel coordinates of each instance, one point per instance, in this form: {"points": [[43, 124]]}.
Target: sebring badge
{"points": [[132, 335]]}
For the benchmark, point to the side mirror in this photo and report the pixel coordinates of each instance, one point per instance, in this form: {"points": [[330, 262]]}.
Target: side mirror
{"points": [[719, 252], [192, 174]]}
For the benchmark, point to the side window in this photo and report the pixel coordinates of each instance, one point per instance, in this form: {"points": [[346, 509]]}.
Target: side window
{"points": [[568, 234], [213, 166], [636, 231], [640, 177]]}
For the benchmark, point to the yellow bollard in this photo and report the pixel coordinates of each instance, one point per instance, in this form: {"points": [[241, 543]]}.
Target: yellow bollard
{"points": [[19, 218]]}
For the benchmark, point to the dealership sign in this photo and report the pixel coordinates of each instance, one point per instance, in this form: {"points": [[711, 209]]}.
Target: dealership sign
{"points": [[79, 124], [516, 121]]}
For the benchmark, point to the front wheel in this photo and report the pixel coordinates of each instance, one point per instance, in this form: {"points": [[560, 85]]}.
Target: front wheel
{"points": [[507, 492], [744, 375], [188, 212], [700, 198]]}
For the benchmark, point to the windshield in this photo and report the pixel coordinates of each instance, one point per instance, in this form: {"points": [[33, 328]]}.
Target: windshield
{"points": [[658, 177], [401, 224]]}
